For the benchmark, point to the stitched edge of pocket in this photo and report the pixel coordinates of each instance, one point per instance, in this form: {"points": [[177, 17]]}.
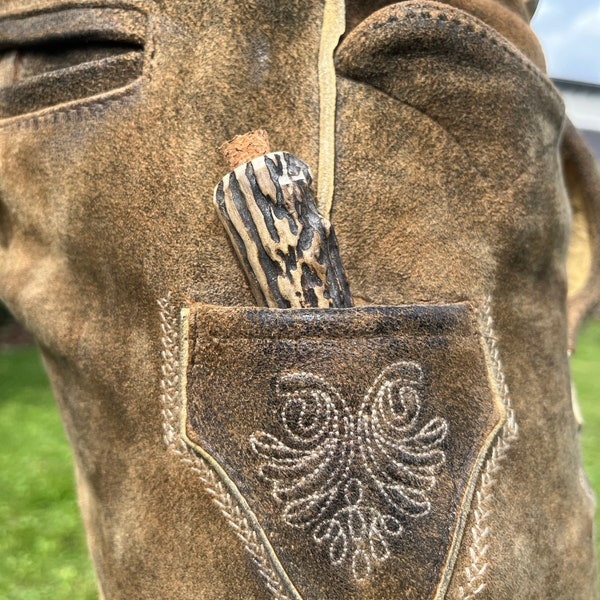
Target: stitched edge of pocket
{"points": [[500, 437]]}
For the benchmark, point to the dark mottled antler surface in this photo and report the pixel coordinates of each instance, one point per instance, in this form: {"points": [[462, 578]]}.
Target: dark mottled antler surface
{"points": [[287, 249]]}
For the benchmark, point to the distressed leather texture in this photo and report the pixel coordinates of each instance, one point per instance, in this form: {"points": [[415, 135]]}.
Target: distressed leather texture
{"points": [[450, 144], [360, 432]]}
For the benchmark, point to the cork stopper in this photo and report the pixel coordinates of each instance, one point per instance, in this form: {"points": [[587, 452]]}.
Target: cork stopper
{"points": [[243, 148]]}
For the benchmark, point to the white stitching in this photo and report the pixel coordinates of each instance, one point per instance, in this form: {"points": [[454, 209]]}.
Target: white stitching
{"points": [[480, 532], [377, 461], [171, 413]]}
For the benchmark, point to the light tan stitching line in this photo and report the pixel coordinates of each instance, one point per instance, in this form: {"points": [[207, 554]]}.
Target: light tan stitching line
{"points": [[171, 413], [480, 532]]}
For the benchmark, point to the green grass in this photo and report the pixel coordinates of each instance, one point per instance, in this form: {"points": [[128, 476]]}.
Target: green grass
{"points": [[42, 548], [585, 368]]}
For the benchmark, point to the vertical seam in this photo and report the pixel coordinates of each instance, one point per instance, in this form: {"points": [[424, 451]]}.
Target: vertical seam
{"points": [[334, 25]]}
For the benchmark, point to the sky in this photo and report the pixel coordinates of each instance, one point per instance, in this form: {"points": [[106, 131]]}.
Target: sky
{"points": [[570, 34]]}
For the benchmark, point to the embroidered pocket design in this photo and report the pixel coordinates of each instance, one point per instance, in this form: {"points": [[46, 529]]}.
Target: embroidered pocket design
{"points": [[349, 441], [345, 477]]}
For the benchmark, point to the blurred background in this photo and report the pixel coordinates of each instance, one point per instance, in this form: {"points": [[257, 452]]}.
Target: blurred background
{"points": [[570, 35], [42, 547]]}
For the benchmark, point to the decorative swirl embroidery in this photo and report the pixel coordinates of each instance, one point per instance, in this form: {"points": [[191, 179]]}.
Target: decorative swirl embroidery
{"points": [[350, 479]]}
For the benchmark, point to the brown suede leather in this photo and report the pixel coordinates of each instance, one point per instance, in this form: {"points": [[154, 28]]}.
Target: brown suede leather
{"points": [[360, 432], [448, 189]]}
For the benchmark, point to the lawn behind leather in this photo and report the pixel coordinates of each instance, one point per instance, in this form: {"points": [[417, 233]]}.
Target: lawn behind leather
{"points": [[42, 548], [43, 554]]}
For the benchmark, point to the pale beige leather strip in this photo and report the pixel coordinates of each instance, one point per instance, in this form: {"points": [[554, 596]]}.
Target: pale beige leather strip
{"points": [[334, 25]]}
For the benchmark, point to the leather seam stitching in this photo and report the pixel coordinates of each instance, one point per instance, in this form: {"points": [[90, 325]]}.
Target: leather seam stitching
{"points": [[72, 111], [476, 26], [171, 411], [478, 567]]}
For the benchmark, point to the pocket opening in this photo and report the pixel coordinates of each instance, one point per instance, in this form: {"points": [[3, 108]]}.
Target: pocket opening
{"points": [[66, 55]]}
